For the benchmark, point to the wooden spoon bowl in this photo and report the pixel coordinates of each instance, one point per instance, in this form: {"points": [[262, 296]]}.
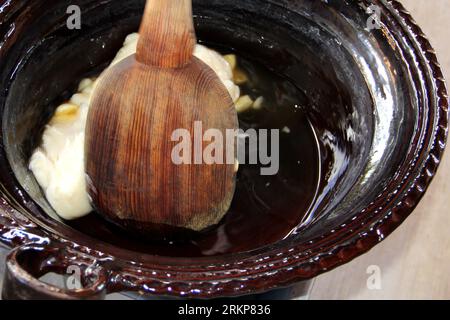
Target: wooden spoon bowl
{"points": [[136, 107]]}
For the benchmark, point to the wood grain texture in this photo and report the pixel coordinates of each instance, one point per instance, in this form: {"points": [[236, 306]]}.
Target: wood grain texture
{"points": [[135, 109], [167, 36], [415, 260]]}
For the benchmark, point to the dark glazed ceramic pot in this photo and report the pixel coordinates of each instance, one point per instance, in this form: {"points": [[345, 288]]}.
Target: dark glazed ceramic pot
{"points": [[376, 99]]}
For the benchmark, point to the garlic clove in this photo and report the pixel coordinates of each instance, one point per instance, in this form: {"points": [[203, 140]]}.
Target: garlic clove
{"points": [[232, 60], [239, 77], [66, 112], [258, 103], [244, 103]]}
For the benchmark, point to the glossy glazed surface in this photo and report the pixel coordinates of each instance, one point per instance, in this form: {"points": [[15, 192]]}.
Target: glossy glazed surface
{"points": [[376, 99]]}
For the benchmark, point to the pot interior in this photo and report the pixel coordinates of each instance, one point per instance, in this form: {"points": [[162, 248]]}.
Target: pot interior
{"points": [[346, 81]]}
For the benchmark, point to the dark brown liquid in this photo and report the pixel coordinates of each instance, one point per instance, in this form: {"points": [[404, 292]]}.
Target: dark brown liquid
{"points": [[265, 209]]}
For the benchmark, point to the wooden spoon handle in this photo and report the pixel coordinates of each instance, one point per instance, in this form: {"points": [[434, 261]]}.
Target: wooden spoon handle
{"points": [[167, 34]]}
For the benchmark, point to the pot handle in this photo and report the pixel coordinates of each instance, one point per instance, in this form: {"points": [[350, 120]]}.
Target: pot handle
{"points": [[26, 264]]}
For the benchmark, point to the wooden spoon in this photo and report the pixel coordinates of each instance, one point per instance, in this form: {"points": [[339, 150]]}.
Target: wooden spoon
{"points": [[136, 106]]}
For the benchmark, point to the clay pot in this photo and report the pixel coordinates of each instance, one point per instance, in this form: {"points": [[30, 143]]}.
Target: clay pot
{"points": [[376, 98]]}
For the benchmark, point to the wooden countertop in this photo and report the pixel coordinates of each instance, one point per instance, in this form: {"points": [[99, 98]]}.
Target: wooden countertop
{"points": [[414, 262]]}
